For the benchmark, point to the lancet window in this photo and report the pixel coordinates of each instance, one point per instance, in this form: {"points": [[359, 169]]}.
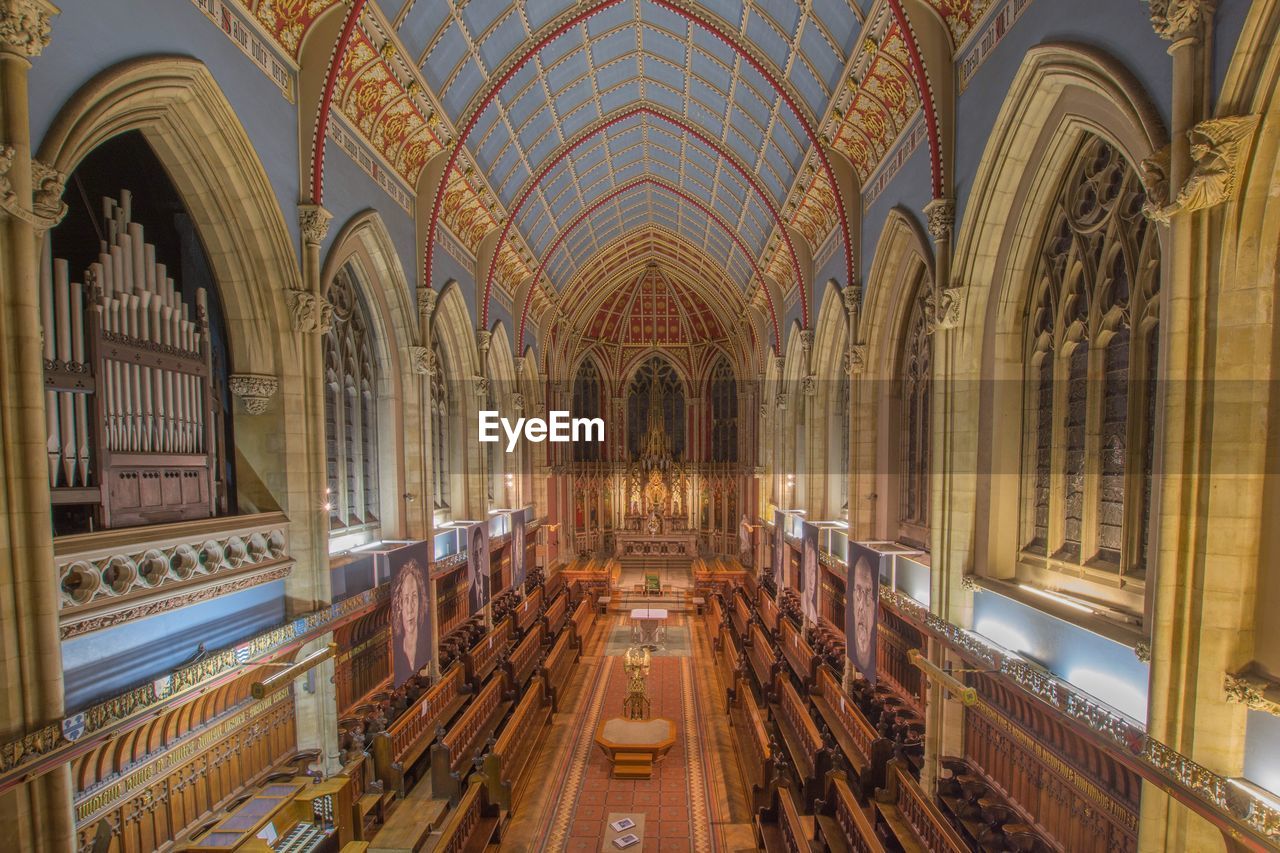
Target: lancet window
{"points": [[351, 417]]}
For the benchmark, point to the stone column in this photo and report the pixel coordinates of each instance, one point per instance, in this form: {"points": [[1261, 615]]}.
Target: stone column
{"points": [[35, 816], [308, 588], [426, 366]]}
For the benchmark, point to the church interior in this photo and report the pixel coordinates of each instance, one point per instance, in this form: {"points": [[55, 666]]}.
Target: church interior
{"points": [[918, 359]]}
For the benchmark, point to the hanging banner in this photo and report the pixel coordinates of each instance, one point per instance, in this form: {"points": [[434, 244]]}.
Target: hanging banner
{"points": [[411, 627], [518, 568], [779, 548], [478, 565], [809, 570], [862, 608]]}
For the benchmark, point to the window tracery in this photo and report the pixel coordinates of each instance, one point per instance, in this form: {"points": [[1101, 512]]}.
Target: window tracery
{"points": [[1090, 353], [587, 396], [724, 413], [913, 512], [351, 389], [440, 408]]}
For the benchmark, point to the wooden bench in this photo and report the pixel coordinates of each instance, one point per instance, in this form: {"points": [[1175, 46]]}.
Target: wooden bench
{"points": [[810, 758], [754, 750], [799, 655], [529, 611], [740, 618], [912, 817], [556, 614], [764, 665], [842, 826], [865, 751], [727, 664], [556, 668], [483, 657], [715, 621], [506, 762], [780, 828], [368, 795], [404, 742], [583, 618], [456, 748], [767, 609], [523, 660], [472, 826]]}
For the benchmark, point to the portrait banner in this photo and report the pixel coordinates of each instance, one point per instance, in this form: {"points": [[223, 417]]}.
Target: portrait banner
{"points": [[518, 568], [862, 609], [809, 570], [779, 548], [411, 627], [478, 566]]}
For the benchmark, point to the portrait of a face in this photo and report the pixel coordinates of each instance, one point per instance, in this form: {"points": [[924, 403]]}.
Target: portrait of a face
{"points": [[408, 609], [479, 566], [864, 604], [810, 573]]}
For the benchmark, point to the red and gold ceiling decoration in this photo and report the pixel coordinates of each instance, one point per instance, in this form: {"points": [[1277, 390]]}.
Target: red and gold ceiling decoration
{"points": [[287, 21]]}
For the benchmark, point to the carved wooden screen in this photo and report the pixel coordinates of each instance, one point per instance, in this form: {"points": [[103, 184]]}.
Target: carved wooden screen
{"points": [[724, 413], [440, 407], [587, 395], [913, 514], [1090, 363], [351, 416]]}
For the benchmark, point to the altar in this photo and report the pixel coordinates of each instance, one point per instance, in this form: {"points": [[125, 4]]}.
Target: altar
{"points": [[658, 539]]}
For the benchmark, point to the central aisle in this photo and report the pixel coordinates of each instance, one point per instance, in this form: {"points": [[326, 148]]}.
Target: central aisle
{"points": [[695, 800]]}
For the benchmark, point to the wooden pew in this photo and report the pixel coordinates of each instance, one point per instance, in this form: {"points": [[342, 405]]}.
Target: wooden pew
{"points": [[553, 586], [506, 762], [529, 610], [842, 826], [715, 621], [472, 826], [740, 618], [583, 618], [523, 660], [781, 828], [754, 750], [454, 749], [483, 657], [406, 739], [368, 795], [799, 655], [767, 609], [556, 668], [727, 663], [764, 665], [556, 614], [915, 821], [864, 749], [808, 752]]}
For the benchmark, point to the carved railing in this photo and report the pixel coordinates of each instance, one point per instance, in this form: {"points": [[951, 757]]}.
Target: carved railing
{"points": [[740, 617], [906, 808], [471, 825], [527, 613], [557, 613], [843, 823], [584, 616], [809, 755], [555, 669], [780, 828], [768, 611], [523, 659], [727, 663], [799, 655], [412, 732], [481, 658], [508, 759], [456, 748], [853, 733], [761, 657]]}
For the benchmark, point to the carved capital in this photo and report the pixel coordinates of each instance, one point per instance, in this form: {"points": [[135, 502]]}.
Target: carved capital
{"points": [[25, 26], [1174, 20], [806, 341], [481, 386], [943, 308], [420, 359], [309, 314], [781, 401], [857, 359], [852, 296], [1216, 147], [254, 390], [426, 301], [809, 385], [484, 338], [517, 402], [941, 216], [518, 364], [779, 363], [314, 221]]}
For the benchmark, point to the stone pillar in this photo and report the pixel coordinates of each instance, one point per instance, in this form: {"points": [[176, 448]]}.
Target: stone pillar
{"points": [[35, 816], [426, 366], [308, 588]]}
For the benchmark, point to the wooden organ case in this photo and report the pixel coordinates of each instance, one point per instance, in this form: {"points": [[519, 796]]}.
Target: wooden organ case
{"points": [[129, 403]]}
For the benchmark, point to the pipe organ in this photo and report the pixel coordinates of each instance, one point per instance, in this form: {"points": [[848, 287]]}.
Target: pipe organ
{"points": [[128, 375]]}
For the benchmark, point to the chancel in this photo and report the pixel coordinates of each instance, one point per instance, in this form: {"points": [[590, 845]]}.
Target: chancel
{"points": [[651, 425]]}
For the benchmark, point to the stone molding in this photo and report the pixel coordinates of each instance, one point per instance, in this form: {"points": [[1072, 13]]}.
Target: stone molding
{"points": [[310, 314], [254, 390]]}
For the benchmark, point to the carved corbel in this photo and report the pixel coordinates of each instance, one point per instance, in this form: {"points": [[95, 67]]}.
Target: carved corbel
{"points": [[856, 359], [517, 402], [313, 222], [806, 342], [1216, 146], [420, 359], [1253, 690], [809, 385], [254, 390], [310, 314], [781, 401], [426, 302], [779, 363], [943, 308], [47, 208], [481, 386], [484, 338], [940, 215]]}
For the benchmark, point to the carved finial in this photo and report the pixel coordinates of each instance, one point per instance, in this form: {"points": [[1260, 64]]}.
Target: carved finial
{"points": [[254, 390], [25, 26], [313, 221], [1176, 19], [941, 216], [309, 313], [420, 359]]}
